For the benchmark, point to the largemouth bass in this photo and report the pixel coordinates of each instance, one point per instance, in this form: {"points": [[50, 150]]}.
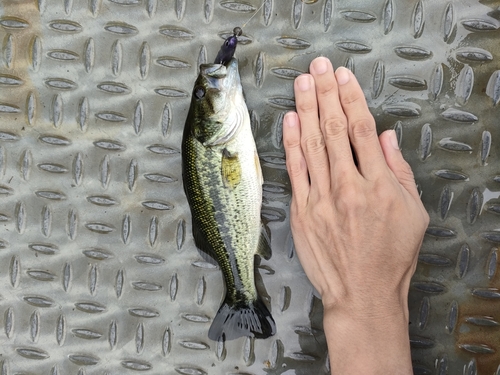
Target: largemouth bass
{"points": [[223, 185]]}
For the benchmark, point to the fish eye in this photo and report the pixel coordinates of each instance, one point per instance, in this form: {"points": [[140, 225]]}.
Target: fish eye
{"points": [[226, 42], [199, 92]]}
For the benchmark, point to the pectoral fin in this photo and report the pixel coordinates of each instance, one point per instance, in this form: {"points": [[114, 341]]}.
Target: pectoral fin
{"points": [[231, 169], [264, 249], [258, 168]]}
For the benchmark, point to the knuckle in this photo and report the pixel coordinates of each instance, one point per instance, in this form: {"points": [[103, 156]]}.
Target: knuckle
{"points": [[345, 187], [291, 143], [427, 219], [307, 106], [335, 128], [296, 216], [349, 199], [363, 128], [295, 168], [314, 144], [321, 196], [406, 173], [382, 190], [352, 97], [326, 89], [385, 194]]}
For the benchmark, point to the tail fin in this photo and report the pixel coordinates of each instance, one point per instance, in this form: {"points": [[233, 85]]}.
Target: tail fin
{"points": [[236, 320]]}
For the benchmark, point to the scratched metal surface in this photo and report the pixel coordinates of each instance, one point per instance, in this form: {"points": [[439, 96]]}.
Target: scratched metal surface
{"points": [[98, 270]]}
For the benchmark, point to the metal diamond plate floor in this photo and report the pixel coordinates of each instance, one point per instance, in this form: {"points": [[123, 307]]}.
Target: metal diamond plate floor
{"points": [[98, 269]]}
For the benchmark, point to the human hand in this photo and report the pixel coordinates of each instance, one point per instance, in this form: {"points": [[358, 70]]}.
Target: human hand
{"points": [[357, 225]]}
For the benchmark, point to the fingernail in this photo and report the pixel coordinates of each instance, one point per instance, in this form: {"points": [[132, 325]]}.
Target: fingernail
{"points": [[290, 119], [342, 74], [393, 139], [303, 82], [320, 65]]}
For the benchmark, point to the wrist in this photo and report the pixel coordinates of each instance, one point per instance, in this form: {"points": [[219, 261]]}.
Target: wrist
{"points": [[376, 319], [368, 341], [368, 305]]}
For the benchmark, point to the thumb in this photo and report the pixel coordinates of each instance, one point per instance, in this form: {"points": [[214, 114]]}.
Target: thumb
{"points": [[396, 163]]}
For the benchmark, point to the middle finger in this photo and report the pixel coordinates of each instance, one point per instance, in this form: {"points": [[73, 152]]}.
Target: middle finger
{"points": [[333, 121]]}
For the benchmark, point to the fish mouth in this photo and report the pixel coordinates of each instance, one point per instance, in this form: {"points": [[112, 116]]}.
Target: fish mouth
{"points": [[222, 77], [225, 80]]}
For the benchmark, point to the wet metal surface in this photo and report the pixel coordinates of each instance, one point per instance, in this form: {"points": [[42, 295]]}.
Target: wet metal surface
{"points": [[98, 269]]}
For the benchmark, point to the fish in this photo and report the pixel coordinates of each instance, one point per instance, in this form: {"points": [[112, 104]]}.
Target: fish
{"points": [[222, 181]]}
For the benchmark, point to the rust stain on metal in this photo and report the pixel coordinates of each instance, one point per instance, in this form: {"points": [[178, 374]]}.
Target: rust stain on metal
{"points": [[480, 341]]}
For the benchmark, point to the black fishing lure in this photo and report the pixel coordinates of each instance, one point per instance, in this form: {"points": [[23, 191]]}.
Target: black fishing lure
{"points": [[227, 49]]}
